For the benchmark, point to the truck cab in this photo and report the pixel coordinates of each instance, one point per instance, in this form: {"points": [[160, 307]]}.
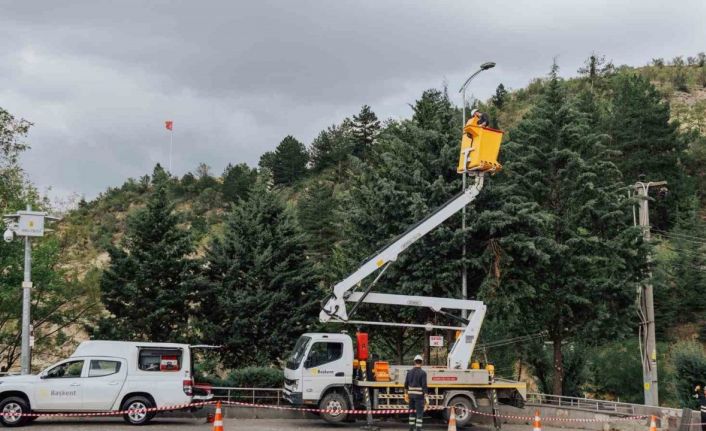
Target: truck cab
{"points": [[318, 365]]}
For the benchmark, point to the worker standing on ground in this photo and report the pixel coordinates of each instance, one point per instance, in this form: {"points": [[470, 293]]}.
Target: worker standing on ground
{"points": [[479, 118], [415, 391], [701, 396]]}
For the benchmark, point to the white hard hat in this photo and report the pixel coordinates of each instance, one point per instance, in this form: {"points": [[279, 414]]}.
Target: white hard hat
{"points": [[418, 358], [473, 112]]}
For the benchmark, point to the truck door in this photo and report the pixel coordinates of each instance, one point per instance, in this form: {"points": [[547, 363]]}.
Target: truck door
{"points": [[325, 366], [103, 382], [59, 388]]}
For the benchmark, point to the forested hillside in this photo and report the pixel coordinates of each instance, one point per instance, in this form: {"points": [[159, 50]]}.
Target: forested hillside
{"points": [[243, 257]]}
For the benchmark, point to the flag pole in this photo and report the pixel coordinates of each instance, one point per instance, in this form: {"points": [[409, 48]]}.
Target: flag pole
{"points": [[171, 146]]}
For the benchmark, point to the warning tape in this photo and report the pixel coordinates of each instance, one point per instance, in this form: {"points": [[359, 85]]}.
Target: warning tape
{"points": [[428, 408], [112, 412], [308, 410]]}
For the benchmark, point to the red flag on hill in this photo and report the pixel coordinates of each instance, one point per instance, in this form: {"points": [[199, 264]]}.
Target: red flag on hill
{"points": [[169, 124]]}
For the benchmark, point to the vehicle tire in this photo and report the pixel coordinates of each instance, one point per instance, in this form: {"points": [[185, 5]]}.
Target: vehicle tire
{"points": [[334, 401], [137, 417], [463, 408], [11, 405]]}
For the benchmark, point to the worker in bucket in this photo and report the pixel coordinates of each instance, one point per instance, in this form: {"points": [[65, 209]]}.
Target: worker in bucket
{"points": [[479, 118], [415, 392], [701, 396]]}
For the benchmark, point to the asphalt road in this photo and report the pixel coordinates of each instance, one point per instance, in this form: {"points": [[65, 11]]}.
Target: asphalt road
{"points": [[232, 425]]}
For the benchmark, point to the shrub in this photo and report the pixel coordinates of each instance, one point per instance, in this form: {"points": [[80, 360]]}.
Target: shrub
{"points": [[256, 377], [689, 363]]}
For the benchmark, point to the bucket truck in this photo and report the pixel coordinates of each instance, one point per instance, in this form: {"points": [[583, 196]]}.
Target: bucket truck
{"points": [[325, 369]]}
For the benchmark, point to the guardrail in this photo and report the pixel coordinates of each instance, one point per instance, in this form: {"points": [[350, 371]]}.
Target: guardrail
{"points": [[253, 395], [600, 406], [275, 396]]}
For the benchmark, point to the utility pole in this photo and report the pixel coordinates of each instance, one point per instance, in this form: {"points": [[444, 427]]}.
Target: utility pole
{"points": [[27, 224], [648, 343]]}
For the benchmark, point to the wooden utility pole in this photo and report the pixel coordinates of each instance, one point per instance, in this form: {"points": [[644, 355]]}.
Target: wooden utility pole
{"points": [[648, 342]]}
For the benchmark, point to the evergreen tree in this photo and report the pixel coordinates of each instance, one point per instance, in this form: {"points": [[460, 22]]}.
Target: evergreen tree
{"points": [[500, 95], [648, 142], [561, 231], [318, 217], [267, 161], [595, 68], [410, 172], [261, 294], [331, 147], [290, 160], [151, 282], [237, 181], [364, 130], [679, 278]]}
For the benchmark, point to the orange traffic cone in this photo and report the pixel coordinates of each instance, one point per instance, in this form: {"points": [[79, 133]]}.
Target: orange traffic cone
{"points": [[218, 420], [452, 419], [653, 423], [537, 425]]}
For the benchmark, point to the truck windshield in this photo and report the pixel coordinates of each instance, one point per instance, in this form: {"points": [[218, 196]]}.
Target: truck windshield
{"points": [[295, 359]]}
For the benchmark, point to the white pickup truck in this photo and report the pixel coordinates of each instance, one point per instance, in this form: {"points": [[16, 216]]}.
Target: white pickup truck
{"points": [[102, 376]]}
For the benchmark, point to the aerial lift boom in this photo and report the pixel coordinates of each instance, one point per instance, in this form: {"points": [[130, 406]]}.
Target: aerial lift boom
{"points": [[479, 151]]}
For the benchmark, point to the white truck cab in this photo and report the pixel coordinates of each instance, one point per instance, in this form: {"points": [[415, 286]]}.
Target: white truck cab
{"points": [[318, 363], [103, 376]]}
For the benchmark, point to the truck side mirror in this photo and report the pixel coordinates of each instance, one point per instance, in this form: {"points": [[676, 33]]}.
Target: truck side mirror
{"points": [[307, 363]]}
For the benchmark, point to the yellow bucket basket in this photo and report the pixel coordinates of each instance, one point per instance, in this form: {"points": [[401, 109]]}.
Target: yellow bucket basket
{"points": [[479, 149]]}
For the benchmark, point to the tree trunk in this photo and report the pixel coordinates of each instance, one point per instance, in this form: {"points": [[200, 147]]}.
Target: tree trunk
{"points": [[558, 366]]}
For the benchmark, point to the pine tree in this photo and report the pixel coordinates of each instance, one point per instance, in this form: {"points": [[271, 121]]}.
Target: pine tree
{"points": [[500, 95], [331, 147], [151, 282], [318, 217], [595, 68], [648, 142], [261, 293], [237, 181], [561, 231], [290, 160], [364, 130], [410, 172], [267, 161]]}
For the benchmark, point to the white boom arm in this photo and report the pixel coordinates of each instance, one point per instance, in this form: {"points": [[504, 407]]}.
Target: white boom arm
{"points": [[335, 307]]}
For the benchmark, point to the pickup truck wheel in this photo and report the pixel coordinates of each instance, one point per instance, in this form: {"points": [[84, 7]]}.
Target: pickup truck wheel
{"points": [[334, 401], [138, 415], [463, 408], [12, 408]]}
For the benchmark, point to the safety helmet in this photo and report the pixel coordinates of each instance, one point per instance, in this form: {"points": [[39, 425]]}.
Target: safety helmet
{"points": [[418, 358], [473, 112]]}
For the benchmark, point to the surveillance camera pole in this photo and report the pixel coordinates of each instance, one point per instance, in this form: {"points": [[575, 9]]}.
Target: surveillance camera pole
{"points": [[648, 341], [26, 292], [26, 224]]}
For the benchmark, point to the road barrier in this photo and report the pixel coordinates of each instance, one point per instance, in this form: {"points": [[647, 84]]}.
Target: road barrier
{"points": [[529, 419]]}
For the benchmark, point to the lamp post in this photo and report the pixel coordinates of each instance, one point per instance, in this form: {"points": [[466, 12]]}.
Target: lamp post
{"points": [[26, 224], [464, 274]]}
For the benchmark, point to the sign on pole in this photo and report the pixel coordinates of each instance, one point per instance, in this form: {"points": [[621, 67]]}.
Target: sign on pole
{"points": [[30, 224], [436, 341]]}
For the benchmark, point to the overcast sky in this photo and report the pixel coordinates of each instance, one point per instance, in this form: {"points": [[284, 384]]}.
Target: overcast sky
{"points": [[99, 78]]}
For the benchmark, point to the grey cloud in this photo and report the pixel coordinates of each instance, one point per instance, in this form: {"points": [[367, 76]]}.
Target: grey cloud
{"points": [[99, 77]]}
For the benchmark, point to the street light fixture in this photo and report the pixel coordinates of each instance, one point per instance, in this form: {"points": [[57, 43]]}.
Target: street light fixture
{"points": [[464, 276], [26, 224]]}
